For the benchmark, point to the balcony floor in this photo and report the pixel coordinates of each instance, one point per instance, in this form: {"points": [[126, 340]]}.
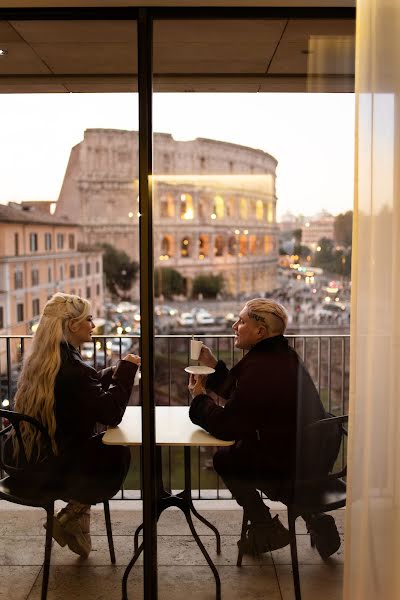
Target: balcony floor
{"points": [[182, 569]]}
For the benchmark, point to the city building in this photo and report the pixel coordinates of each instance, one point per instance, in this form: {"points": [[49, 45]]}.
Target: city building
{"points": [[38, 257], [214, 204], [317, 227]]}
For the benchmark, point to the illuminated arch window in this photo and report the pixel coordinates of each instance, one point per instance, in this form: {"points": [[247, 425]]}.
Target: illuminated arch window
{"points": [[252, 244], [267, 244], [243, 208], [243, 245], [259, 210], [203, 246], [167, 246], [185, 247], [187, 212], [219, 208], [167, 206], [232, 245], [219, 245]]}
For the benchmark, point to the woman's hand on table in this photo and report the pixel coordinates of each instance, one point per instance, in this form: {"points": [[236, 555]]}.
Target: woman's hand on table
{"points": [[196, 385], [206, 357], [133, 358]]}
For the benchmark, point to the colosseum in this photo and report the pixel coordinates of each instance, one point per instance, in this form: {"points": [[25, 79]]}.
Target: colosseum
{"points": [[214, 204]]}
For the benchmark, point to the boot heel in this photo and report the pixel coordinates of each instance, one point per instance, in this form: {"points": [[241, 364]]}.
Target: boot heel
{"points": [[59, 533]]}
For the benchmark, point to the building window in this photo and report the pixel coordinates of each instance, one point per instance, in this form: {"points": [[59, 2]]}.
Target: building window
{"points": [[97, 290], [35, 307], [20, 313], [87, 268], [259, 210], [1, 317], [60, 241], [243, 208], [97, 266], [80, 270], [33, 242], [219, 208], [18, 280], [71, 241], [71, 271], [167, 206], [35, 277], [270, 213], [185, 247], [47, 241], [88, 292], [49, 274], [61, 273], [187, 212], [16, 244]]}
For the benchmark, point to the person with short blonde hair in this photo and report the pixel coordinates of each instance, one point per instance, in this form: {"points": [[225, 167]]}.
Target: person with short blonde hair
{"points": [[270, 397], [69, 398]]}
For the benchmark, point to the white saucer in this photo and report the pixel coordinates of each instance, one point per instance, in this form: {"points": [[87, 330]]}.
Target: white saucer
{"points": [[199, 370]]}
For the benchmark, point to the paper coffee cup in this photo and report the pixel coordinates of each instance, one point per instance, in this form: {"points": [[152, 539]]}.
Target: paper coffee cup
{"points": [[195, 348]]}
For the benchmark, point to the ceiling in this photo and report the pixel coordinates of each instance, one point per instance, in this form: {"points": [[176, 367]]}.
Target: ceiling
{"points": [[190, 55]]}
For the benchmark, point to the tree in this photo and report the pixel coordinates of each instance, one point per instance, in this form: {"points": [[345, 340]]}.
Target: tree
{"points": [[120, 271], [343, 227], [324, 257], [168, 282], [208, 285], [297, 235]]}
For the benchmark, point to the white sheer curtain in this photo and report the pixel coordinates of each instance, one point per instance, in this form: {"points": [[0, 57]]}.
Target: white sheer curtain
{"points": [[372, 553]]}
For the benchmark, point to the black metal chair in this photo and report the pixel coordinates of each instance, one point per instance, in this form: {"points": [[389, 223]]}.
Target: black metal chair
{"points": [[311, 495], [20, 490]]}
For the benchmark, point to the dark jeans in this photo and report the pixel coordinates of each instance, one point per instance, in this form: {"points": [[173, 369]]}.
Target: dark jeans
{"points": [[91, 473], [243, 475]]}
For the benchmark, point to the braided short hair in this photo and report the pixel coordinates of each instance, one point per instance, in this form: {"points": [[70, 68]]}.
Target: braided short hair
{"points": [[270, 313]]}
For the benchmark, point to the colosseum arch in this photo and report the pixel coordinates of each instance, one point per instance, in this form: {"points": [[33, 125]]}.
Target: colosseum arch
{"points": [[219, 207], [186, 247], [167, 246], [187, 210], [204, 246], [243, 208], [219, 245], [259, 210]]}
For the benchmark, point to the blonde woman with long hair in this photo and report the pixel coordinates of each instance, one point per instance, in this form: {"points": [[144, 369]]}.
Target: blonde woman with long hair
{"points": [[69, 398]]}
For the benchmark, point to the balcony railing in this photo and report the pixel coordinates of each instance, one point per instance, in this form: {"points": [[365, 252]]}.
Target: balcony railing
{"points": [[325, 356]]}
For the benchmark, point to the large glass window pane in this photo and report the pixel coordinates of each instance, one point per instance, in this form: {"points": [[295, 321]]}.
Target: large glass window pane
{"points": [[260, 192], [69, 223]]}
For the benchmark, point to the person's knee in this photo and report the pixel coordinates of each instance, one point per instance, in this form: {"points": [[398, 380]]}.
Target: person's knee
{"points": [[221, 462]]}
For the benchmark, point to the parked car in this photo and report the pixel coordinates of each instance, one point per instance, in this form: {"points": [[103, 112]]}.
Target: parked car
{"points": [[203, 317], [186, 320]]}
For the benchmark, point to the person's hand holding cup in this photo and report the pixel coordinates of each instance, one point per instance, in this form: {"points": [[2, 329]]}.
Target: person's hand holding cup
{"points": [[206, 357]]}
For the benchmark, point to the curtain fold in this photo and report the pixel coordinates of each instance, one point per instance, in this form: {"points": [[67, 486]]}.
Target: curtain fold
{"points": [[372, 545]]}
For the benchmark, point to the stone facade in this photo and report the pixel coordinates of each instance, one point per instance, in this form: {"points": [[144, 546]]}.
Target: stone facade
{"points": [[214, 204], [38, 257]]}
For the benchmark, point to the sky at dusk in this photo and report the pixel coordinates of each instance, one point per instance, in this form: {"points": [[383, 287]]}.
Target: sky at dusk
{"points": [[311, 136]]}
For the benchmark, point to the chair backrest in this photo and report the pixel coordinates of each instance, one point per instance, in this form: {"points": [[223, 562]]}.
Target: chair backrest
{"points": [[318, 449], [14, 430]]}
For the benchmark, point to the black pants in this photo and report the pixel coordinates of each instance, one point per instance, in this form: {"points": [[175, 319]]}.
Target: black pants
{"points": [[243, 475], [90, 473], [96, 472]]}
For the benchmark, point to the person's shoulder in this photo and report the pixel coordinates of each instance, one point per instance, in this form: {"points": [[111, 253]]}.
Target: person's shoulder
{"points": [[72, 363]]}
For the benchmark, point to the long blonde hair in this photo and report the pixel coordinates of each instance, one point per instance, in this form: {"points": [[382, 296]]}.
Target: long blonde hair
{"points": [[35, 391]]}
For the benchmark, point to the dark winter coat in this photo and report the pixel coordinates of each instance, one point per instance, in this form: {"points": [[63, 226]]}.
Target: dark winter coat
{"points": [[271, 397]]}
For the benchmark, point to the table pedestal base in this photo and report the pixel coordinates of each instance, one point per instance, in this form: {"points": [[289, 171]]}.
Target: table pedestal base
{"points": [[184, 502]]}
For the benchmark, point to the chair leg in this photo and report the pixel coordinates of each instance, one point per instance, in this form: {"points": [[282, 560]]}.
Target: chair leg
{"points": [[242, 539], [293, 552], [47, 550], [109, 531]]}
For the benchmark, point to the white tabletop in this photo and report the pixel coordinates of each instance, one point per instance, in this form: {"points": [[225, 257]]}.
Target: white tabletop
{"points": [[173, 428]]}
